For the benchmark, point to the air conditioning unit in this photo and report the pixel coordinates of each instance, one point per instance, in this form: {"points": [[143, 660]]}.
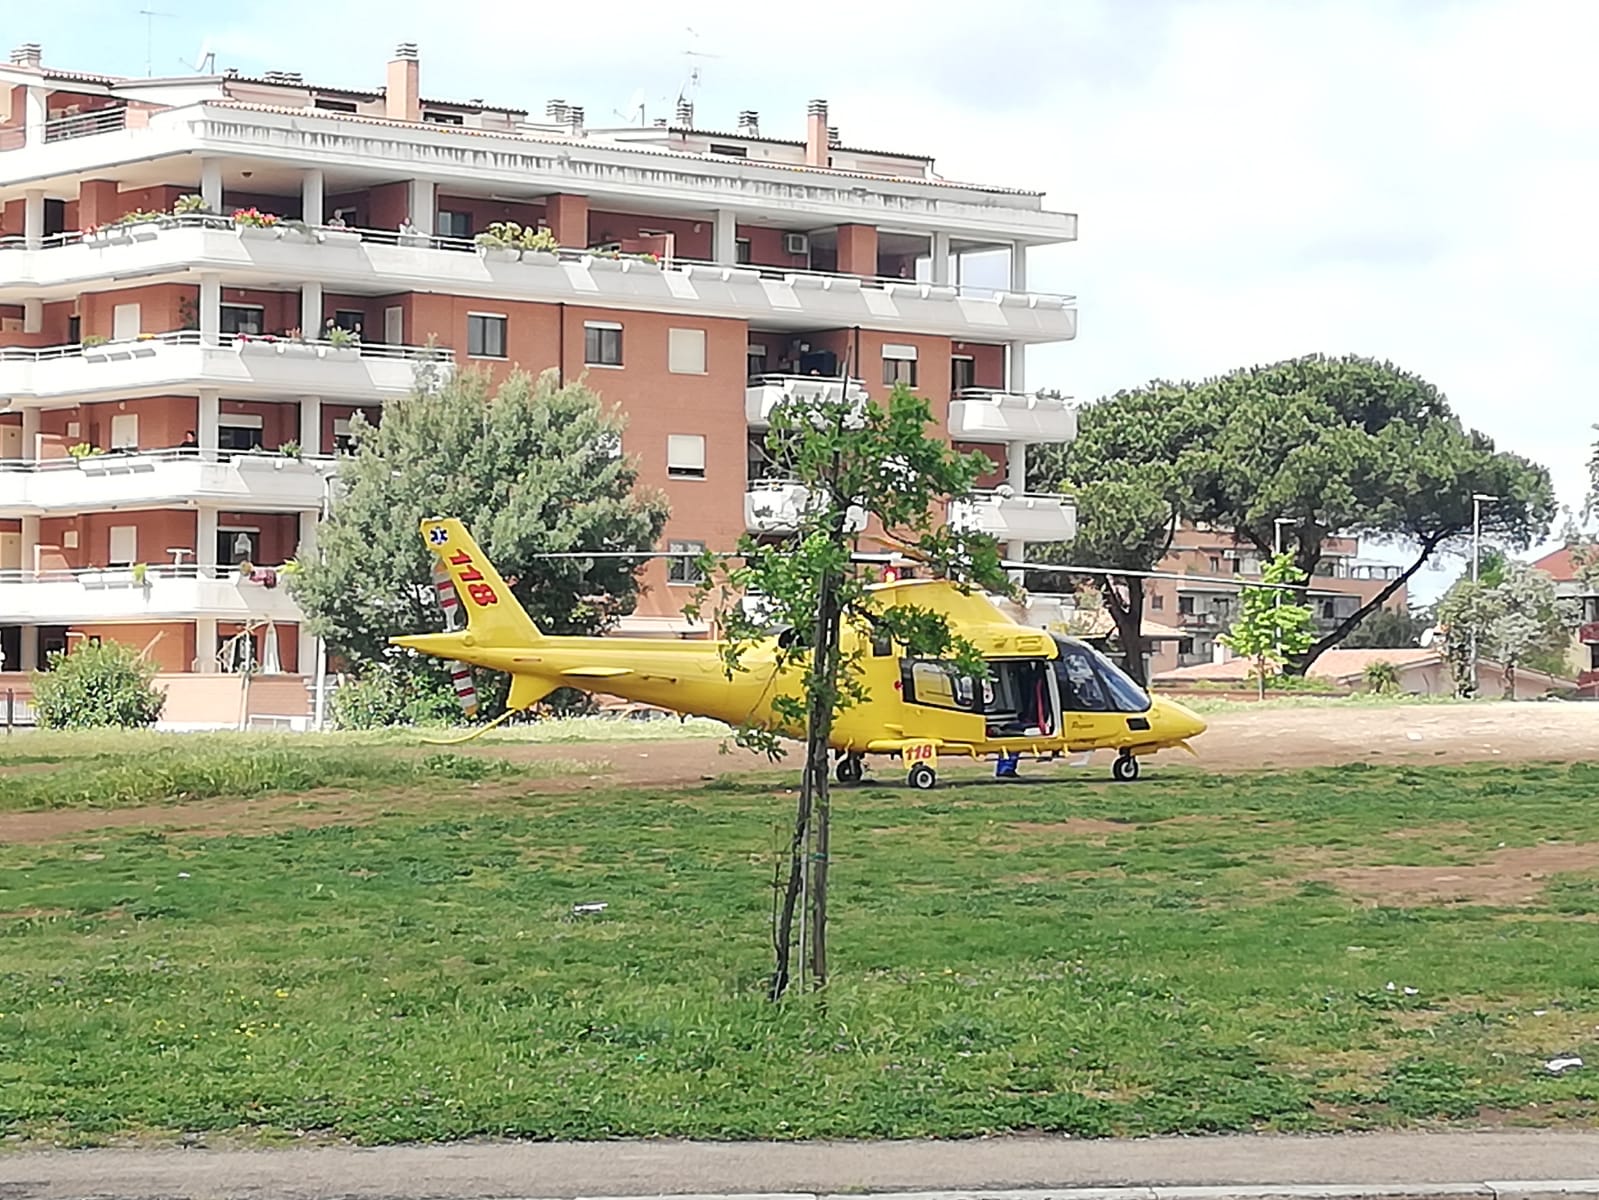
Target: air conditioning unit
{"points": [[796, 243]]}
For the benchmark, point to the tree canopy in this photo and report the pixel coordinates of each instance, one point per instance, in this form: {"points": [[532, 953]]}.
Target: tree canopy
{"points": [[1124, 472], [531, 466], [1344, 445], [1270, 627], [1518, 621]]}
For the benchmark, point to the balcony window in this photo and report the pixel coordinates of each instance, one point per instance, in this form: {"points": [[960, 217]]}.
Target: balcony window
{"points": [[685, 351], [243, 318], [602, 344], [1185, 605], [685, 455], [432, 117], [485, 335], [899, 365], [1157, 602], [742, 252], [235, 546], [962, 374], [350, 319], [330, 105], [755, 361], [684, 569], [455, 224]]}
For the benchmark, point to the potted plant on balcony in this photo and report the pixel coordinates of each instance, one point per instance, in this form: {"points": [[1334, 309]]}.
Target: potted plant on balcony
{"points": [[141, 574], [343, 343], [252, 222], [83, 450], [290, 449]]}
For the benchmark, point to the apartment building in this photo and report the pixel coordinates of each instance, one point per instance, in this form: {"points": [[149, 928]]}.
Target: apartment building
{"points": [[1202, 610], [175, 379], [1583, 658]]}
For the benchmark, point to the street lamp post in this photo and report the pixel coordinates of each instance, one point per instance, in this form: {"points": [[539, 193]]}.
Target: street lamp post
{"points": [[1478, 499]]}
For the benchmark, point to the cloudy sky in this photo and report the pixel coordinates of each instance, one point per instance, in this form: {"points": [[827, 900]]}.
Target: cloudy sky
{"points": [[1255, 179]]}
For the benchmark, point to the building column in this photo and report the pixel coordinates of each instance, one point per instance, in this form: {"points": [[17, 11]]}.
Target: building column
{"points": [[419, 198], [310, 425], [211, 183], [32, 218], [205, 540], [36, 110], [97, 202], [33, 315], [30, 434], [307, 543], [307, 652], [1016, 477], [568, 219], [939, 253], [311, 309], [208, 418], [210, 310], [1016, 370], [312, 209], [205, 645], [857, 250], [1018, 267], [724, 237], [30, 648], [30, 544]]}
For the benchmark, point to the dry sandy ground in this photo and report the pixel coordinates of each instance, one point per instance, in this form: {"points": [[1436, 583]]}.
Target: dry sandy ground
{"points": [[1246, 739]]}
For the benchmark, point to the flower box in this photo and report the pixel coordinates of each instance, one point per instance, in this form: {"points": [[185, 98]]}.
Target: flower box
{"points": [[599, 262], [499, 253], [260, 233], [340, 237], [144, 231]]}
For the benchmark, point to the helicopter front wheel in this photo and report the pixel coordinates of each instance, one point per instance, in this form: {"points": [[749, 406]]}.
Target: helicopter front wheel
{"points": [[1125, 768], [850, 769], [922, 777]]}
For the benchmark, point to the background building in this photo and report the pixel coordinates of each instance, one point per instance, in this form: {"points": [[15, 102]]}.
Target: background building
{"points": [[171, 397]]}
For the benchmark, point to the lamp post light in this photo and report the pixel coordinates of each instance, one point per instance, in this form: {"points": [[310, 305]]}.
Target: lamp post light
{"points": [[1478, 499]]}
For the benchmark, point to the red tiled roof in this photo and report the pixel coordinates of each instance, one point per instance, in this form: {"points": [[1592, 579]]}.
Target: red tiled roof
{"points": [[1558, 565]]}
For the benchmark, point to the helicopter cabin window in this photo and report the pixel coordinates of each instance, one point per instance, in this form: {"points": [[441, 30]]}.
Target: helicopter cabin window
{"points": [[1090, 682], [936, 685]]}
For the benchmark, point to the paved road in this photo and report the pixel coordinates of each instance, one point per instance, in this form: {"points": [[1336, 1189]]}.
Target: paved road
{"points": [[481, 1170]]}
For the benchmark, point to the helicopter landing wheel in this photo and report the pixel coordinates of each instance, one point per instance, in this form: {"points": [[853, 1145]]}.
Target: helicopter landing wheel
{"points": [[922, 777], [850, 769], [1124, 769]]}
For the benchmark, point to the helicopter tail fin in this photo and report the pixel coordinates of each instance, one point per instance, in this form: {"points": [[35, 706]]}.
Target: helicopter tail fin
{"points": [[493, 615]]}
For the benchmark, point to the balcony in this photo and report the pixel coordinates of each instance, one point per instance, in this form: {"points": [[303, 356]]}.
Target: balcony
{"points": [[384, 262], [160, 363], [102, 482], [1025, 518], [778, 505], [980, 415], [1588, 634], [129, 595], [765, 392]]}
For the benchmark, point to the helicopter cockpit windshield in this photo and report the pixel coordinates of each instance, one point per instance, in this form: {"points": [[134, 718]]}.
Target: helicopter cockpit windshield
{"points": [[1090, 682]]}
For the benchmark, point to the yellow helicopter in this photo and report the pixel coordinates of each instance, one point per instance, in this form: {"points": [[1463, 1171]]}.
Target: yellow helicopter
{"points": [[1045, 695]]}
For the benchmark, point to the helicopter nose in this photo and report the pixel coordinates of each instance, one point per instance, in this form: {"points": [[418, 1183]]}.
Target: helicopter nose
{"points": [[1179, 722]]}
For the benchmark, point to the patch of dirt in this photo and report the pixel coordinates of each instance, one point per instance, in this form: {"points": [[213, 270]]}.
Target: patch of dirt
{"points": [[1074, 827], [1510, 877], [34, 914]]}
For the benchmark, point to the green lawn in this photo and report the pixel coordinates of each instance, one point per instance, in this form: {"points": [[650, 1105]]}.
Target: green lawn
{"points": [[1067, 955]]}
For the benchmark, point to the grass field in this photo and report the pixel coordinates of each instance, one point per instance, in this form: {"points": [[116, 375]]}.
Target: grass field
{"points": [[1189, 954]]}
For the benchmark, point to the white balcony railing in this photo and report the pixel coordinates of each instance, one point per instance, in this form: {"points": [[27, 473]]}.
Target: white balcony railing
{"points": [[778, 506], [764, 393], [243, 482], [133, 594], [386, 261], [1025, 518], [149, 365], [980, 415]]}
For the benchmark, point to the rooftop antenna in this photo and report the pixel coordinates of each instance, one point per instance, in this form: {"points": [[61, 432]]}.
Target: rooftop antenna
{"points": [[693, 81], [149, 15], [206, 62], [635, 108]]}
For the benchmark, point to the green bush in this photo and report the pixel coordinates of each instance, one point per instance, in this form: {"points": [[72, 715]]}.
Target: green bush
{"points": [[98, 684], [1382, 678], [383, 698]]}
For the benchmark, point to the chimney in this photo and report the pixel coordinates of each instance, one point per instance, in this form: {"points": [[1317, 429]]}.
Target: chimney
{"points": [[660, 122], [27, 55], [749, 123], [832, 137], [574, 117], [816, 134], [402, 99], [555, 112], [685, 113]]}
